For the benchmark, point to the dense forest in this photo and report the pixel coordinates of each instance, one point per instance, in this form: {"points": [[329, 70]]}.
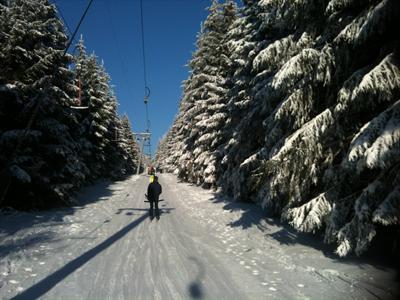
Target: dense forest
{"points": [[59, 126], [295, 105]]}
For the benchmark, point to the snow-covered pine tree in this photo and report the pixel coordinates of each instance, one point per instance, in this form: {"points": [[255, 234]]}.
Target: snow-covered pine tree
{"points": [[116, 149], [169, 148], [210, 68], [162, 152], [128, 142], [82, 99], [10, 103], [44, 168], [164, 149], [102, 136], [180, 160], [328, 94], [116, 162], [244, 125], [313, 103], [203, 103], [95, 121], [288, 82]]}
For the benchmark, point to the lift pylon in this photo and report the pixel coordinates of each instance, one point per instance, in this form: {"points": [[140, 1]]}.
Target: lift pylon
{"points": [[144, 137]]}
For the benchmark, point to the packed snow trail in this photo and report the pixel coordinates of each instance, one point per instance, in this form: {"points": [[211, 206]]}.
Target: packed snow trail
{"points": [[203, 247]]}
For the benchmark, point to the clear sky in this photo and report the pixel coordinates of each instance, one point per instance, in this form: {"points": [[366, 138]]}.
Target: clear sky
{"points": [[112, 30]]}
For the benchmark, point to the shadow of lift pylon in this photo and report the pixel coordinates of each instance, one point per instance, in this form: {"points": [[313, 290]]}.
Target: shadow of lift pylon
{"points": [[46, 284]]}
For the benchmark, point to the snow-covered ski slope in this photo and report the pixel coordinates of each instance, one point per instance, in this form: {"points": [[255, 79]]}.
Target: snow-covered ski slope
{"points": [[203, 247]]}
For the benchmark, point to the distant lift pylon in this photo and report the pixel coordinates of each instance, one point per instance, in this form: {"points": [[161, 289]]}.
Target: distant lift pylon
{"points": [[143, 137]]}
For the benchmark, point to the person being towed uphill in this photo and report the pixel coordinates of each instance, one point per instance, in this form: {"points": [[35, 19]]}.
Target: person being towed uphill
{"points": [[153, 193]]}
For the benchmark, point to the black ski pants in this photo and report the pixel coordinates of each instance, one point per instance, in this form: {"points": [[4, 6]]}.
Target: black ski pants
{"points": [[154, 207]]}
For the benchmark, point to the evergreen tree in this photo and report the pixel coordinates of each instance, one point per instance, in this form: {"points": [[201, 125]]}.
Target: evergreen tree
{"points": [[311, 123], [244, 123], [104, 140], [310, 129], [96, 95], [163, 159], [169, 149], [115, 150], [39, 165], [203, 103], [128, 142], [213, 120], [123, 151]]}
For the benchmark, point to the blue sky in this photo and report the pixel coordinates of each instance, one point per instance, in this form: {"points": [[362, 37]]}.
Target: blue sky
{"points": [[112, 30]]}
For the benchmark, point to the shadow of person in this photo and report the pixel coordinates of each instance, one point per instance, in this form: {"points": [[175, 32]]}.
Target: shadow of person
{"points": [[195, 291], [195, 287]]}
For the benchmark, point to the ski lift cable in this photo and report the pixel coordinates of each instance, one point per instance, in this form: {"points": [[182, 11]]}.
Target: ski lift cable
{"points": [[63, 18], [146, 88], [118, 45], [122, 65], [78, 26], [143, 48]]}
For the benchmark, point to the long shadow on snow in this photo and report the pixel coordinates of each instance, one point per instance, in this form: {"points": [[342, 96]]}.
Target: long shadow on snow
{"points": [[13, 247], [46, 284], [102, 190], [10, 224], [13, 222], [253, 215], [289, 236]]}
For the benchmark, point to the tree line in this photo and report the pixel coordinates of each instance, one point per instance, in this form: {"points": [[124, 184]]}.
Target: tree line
{"points": [[295, 105], [59, 126]]}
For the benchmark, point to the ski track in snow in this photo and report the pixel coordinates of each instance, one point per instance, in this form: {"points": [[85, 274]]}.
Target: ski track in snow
{"points": [[203, 247]]}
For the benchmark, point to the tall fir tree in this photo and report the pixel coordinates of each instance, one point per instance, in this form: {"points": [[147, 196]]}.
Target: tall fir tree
{"points": [[128, 142], [202, 110], [102, 134], [39, 164], [48, 149], [312, 130], [94, 94], [244, 125]]}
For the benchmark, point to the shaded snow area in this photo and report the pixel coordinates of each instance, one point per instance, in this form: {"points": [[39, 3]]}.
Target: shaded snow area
{"points": [[203, 247]]}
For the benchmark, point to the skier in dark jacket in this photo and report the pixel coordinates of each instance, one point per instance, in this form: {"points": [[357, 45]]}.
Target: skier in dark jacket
{"points": [[153, 192]]}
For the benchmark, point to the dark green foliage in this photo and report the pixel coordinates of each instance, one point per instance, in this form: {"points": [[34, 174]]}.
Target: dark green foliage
{"points": [[48, 150], [39, 165], [311, 129], [203, 105]]}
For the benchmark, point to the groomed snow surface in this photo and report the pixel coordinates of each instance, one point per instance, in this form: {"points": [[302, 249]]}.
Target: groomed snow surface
{"points": [[203, 247]]}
